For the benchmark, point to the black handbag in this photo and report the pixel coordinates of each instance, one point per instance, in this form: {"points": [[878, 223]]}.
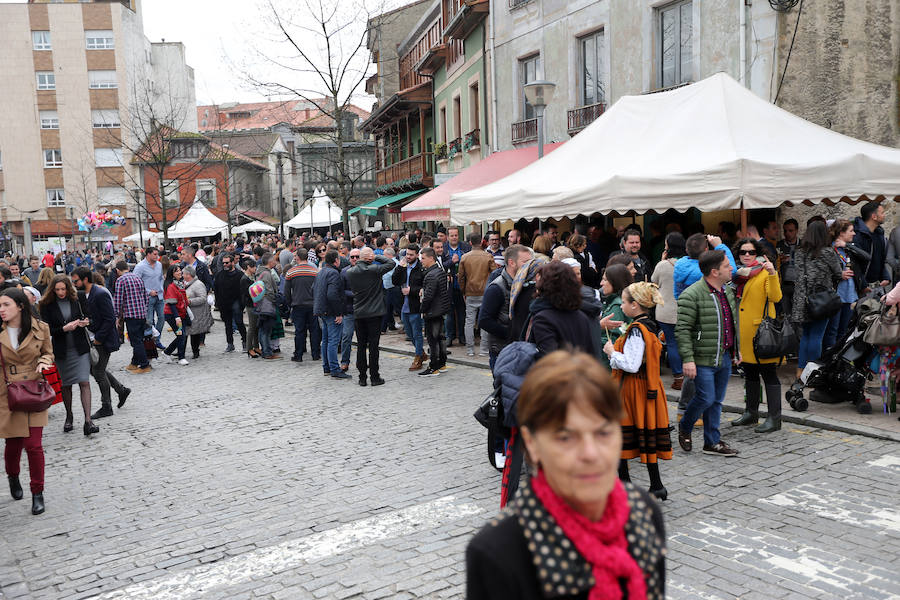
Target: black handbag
{"points": [[775, 338], [821, 303], [490, 414]]}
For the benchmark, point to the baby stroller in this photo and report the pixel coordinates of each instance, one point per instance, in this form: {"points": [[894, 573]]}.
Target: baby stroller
{"points": [[841, 374]]}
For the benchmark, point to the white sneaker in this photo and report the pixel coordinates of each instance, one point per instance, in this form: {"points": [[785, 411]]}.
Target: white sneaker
{"points": [[183, 362], [470, 353], [164, 358]]}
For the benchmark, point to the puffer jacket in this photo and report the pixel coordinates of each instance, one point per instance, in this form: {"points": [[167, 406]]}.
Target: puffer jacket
{"points": [[813, 273], [509, 373], [435, 295], [687, 270], [699, 330], [366, 283]]}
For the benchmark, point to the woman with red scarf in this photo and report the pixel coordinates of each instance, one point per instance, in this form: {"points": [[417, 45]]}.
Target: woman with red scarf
{"points": [[757, 289], [576, 530]]}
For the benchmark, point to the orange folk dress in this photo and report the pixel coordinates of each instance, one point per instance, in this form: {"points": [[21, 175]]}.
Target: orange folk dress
{"points": [[645, 426]]}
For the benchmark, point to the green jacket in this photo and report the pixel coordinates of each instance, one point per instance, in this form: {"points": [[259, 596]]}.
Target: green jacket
{"points": [[699, 329]]}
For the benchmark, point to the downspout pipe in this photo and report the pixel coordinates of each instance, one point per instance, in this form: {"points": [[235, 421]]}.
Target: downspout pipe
{"points": [[742, 21], [491, 9]]}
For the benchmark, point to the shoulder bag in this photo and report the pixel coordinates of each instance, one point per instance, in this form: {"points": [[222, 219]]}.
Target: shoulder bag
{"points": [[29, 396], [821, 303], [774, 338], [884, 330]]}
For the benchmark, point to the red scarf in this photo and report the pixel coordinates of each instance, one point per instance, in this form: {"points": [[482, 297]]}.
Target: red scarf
{"points": [[602, 543], [741, 280]]}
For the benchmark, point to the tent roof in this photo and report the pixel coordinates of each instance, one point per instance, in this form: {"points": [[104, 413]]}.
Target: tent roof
{"points": [[252, 226], [198, 221], [320, 212], [436, 203], [710, 145]]}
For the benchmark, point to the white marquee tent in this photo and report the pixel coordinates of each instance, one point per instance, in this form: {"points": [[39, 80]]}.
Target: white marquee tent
{"points": [[197, 222], [320, 212], [253, 226], [149, 237], [712, 145]]}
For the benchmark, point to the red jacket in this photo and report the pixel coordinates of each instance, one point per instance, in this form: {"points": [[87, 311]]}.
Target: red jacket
{"points": [[173, 292]]}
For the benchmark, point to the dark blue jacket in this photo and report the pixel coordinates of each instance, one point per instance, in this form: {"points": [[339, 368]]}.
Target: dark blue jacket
{"points": [[509, 372], [103, 318], [328, 293]]}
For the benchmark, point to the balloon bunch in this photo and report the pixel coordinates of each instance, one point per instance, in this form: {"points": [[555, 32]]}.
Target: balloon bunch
{"points": [[100, 219]]}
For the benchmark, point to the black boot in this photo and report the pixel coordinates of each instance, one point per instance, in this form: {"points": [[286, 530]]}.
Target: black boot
{"points": [[751, 405], [15, 488], [105, 411], [37, 503], [773, 421], [624, 475]]}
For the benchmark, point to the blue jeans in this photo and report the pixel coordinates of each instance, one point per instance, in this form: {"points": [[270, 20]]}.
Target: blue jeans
{"points": [[304, 322], [331, 335], [837, 326], [265, 325], [156, 316], [811, 342], [672, 348], [412, 324], [711, 383], [348, 326], [135, 328]]}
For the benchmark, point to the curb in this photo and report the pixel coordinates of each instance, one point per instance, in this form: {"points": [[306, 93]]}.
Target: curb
{"points": [[814, 421]]}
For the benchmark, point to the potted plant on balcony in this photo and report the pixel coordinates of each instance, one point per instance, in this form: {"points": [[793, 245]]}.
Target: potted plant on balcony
{"points": [[440, 151]]}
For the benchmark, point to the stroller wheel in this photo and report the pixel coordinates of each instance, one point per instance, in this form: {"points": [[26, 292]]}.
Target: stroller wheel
{"points": [[801, 404], [864, 408]]}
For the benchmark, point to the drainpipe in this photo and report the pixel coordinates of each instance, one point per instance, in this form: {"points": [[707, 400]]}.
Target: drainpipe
{"points": [[486, 141], [742, 20], [491, 7]]}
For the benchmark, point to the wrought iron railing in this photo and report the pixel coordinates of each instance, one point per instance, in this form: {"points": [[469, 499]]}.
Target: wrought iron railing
{"points": [[523, 131], [581, 117]]}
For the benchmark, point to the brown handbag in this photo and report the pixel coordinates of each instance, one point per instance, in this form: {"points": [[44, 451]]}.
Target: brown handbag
{"points": [[29, 396], [884, 330]]}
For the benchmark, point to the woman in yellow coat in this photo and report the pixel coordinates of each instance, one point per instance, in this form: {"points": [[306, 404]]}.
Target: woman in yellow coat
{"points": [[757, 289], [27, 351]]}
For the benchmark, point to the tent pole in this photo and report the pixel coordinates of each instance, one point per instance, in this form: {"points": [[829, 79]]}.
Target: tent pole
{"points": [[743, 216]]}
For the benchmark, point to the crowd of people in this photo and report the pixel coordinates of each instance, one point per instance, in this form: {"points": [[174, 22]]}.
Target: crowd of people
{"points": [[584, 320]]}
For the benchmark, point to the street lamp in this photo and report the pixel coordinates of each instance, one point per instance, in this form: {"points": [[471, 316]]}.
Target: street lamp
{"points": [[279, 155], [539, 94]]}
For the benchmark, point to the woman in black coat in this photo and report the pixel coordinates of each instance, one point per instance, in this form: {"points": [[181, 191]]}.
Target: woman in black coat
{"points": [[64, 311], [574, 529], [556, 319]]}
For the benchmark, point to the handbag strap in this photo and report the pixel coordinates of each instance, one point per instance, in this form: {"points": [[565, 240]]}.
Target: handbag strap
{"points": [[3, 362]]}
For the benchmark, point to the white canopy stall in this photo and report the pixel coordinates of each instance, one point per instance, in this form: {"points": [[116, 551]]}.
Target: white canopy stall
{"points": [[197, 222], [712, 145], [252, 226], [320, 212], [149, 237]]}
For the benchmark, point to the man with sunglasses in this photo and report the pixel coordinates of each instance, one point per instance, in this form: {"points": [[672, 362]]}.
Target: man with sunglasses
{"points": [[227, 288]]}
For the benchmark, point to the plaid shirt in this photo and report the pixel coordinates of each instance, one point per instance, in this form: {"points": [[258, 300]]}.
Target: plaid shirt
{"points": [[131, 297]]}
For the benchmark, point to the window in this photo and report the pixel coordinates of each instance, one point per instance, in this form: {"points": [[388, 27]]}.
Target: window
{"points": [[49, 119], [56, 197], [443, 123], [206, 192], [185, 149], [591, 84], [103, 80], [108, 157], [457, 117], [474, 110], [99, 39], [112, 196], [53, 158], [528, 72], [675, 44], [40, 40], [170, 187], [46, 80], [105, 118]]}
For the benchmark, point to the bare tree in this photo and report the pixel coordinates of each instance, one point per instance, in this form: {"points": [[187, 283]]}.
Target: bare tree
{"points": [[324, 44]]}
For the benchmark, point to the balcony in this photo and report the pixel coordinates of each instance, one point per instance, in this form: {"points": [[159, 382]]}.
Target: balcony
{"points": [[524, 131], [409, 76], [463, 16], [518, 3], [472, 140], [581, 117], [454, 147], [413, 173]]}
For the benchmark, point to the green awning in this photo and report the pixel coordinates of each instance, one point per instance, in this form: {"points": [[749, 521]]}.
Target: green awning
{"points": [[371, 209]]}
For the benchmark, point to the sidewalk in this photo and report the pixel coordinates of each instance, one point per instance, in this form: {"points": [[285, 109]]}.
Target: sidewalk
{"points": [[836, 417]]}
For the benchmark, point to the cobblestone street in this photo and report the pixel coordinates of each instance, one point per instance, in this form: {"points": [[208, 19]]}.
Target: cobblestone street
{"points": [[232, 478]]}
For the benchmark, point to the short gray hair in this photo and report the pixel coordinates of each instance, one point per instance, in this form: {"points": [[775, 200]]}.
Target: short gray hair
{"points": [[189, 270]]}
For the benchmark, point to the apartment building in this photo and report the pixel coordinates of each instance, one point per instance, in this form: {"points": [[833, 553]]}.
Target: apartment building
{"points": [[79, 79]]}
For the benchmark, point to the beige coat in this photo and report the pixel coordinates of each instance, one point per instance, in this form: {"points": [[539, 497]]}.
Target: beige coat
{"points": [[23, 364]]}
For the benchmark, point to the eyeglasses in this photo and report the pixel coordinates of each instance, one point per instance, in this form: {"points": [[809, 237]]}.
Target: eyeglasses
{"points": [[354, 256], [747, 253]]}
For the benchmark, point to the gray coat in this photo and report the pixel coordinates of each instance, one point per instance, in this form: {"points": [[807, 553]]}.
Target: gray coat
{"points": [[196, 297], [816, 273]]}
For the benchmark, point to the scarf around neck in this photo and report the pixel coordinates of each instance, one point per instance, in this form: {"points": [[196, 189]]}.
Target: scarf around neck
{"points": [[602, 543], [745, 274]]}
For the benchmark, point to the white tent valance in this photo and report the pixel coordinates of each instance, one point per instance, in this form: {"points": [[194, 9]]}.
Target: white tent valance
{"points": [[198, 221], [149, 237], [712, 145], [252, 226]]}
